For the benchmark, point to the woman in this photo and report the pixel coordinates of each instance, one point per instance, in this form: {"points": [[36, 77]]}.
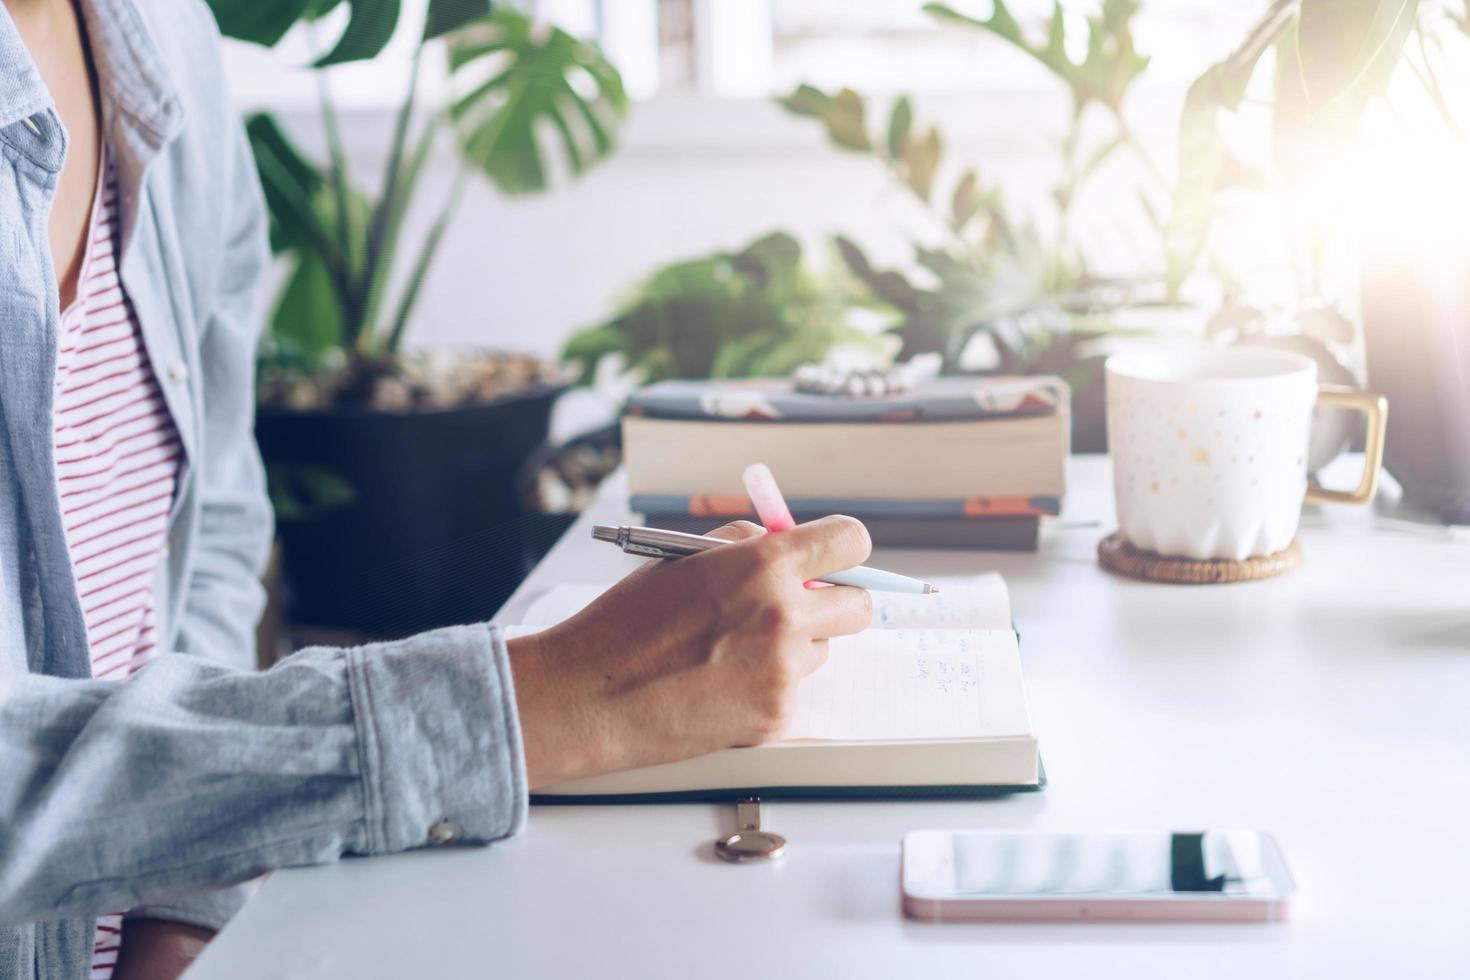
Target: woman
{"points": [[144, 771]]}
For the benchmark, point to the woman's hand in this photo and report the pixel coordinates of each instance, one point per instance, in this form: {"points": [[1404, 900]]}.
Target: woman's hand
{"points": [[687, 656]]}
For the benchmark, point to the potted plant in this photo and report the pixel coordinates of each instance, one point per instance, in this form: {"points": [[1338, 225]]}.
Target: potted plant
{"points": [[755, 312], [1334, 64], [396, 477], [1000, 291]]}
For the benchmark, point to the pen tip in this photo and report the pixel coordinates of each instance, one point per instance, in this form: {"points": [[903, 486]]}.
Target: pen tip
{"points": [[930, 589]]}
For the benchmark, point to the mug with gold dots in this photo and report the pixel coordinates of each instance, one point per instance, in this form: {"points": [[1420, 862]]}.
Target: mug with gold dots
{"points": [[1209, 448]]}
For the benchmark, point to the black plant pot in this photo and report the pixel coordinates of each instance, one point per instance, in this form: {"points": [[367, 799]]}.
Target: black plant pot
{"points": [[435, 532], [1416, 320]]}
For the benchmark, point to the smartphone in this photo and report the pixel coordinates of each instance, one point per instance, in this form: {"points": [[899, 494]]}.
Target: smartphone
{"points": [[1216, 875]]}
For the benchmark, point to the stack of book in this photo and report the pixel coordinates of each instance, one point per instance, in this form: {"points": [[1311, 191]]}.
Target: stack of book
{"points": [[960, 462]]}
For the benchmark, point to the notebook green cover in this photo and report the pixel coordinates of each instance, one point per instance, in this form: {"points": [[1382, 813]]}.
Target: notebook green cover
{"points": [[806, 793]]}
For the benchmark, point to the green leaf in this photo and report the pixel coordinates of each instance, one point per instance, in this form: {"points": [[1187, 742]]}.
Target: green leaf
{"points": [[1204, 158], [538, 79], [751, 312], [734, 358], [772, 263], [268, 139], [1000, 22], [965, 202], [417, 275], [844, 114], [368, 29], [258, 21], [385, 230], [1331, 63], [588, 347], [306, 323], [1109, 67], [900, 121], [289, 182], [1054, 55], [1347, 49], [593, 341], [846, 121], [1201, 161], [921, 162], [807, 100], [304, 491], [889, 286], [451, 15]]}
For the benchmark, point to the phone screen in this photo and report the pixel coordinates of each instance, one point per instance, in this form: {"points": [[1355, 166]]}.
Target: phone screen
{"points": [[1098, 866]]}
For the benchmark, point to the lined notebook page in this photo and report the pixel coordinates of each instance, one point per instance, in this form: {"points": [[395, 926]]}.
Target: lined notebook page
{"points": [[962, 602], [895, 684]]}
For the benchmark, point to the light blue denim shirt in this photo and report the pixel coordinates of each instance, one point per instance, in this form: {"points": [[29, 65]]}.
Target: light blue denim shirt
{"points": [[197, 774]]}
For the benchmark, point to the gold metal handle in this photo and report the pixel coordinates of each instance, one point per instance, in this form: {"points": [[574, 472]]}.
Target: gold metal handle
{"points": [[1376, 408]]}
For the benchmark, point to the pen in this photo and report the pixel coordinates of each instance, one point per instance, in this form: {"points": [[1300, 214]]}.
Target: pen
{"points": [[652, 542]]}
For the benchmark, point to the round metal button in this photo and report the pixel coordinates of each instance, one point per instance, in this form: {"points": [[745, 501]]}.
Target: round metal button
{"points": [[445, 832], [750, 845]]}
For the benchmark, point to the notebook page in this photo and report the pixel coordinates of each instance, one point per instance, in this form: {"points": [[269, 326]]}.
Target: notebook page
{"points": [[562, 602], [962, 602], [895, 684]]}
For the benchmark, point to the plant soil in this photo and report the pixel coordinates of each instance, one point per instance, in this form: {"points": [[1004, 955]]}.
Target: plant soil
{"points": [[419, 382]]}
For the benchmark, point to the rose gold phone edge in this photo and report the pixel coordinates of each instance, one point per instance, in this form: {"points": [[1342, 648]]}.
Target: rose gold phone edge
{"points": [[1047, 909], [1094, 910]]}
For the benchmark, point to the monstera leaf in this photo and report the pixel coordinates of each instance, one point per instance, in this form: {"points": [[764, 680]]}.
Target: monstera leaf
{"points": [[370, 23], [258, 21], [1337, 57], [1106, 70], [1332, 58], [536, 79]]}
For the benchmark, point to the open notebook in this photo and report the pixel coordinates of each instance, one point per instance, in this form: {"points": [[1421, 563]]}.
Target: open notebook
{"points": [[929, 701]]}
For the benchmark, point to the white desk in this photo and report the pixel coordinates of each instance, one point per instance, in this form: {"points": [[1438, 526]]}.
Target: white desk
{"points": [[1330, 707]]}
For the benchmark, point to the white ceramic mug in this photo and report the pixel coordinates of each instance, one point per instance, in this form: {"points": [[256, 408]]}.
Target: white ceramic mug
{"points": [[1209, 448]]}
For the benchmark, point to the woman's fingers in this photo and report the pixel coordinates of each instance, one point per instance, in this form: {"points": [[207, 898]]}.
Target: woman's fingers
{"points": [[827, 545], [813, 657], [737, 531], [837, 611]]}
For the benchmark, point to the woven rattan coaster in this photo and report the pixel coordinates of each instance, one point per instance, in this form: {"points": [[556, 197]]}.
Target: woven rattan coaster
{"points": [[1119, 556]]}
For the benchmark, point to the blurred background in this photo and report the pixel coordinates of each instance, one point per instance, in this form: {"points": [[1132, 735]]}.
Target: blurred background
{"points": [[708, 160], [495, 221]]}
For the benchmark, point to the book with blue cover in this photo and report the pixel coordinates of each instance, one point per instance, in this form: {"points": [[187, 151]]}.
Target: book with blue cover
{"points": [[943, 399]]}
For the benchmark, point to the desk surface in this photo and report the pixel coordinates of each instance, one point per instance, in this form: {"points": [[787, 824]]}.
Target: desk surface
{"points": [[1330, 707]]}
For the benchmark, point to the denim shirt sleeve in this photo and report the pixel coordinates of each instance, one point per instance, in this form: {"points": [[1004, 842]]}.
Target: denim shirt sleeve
{"points": [[194, 775], [223, 597]]}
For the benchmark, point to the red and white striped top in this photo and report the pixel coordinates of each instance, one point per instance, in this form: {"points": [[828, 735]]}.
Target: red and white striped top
{"points": [[117, 459]]}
